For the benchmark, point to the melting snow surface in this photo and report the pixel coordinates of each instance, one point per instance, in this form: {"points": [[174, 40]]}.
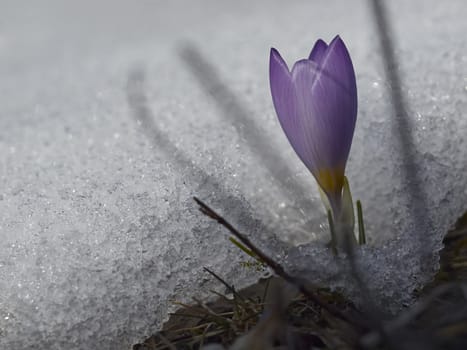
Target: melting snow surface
{"points": [[114, 114]]}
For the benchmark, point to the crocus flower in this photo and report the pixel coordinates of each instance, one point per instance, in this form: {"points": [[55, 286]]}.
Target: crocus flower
{"points": [[316, 103]]}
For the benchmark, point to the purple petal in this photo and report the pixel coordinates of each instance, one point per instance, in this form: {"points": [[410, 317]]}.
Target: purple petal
{"points": [[312, 136], [327, 105], [337, 65], [318, 51], [281, 85], [335, 96], [316, 104], [283, 94], [285, 104]]}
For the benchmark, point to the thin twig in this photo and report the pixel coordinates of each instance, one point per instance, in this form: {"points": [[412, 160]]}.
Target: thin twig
{"points": [[228, 286], [276, 267]]}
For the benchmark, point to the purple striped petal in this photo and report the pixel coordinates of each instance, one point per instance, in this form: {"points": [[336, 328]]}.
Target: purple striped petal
{"points": [[316, 104], [280, 83], [318, 51], [335, 100], [285, 104], [283, 97]]}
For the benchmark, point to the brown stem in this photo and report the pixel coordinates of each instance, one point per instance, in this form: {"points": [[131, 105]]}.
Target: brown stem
{"points": [[300, 283]]}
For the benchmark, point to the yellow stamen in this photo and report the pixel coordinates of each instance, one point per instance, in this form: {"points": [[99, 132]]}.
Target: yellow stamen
{"points": [[331, 180]]}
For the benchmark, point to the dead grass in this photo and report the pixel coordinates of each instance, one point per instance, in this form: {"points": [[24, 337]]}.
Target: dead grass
{"points": [[437, 321]]}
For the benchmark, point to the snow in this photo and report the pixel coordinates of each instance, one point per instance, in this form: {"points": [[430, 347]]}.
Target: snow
{"points": [[109, 124]]}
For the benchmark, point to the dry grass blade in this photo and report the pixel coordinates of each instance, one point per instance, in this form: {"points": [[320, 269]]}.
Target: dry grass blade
{"points": [[220, 279], [301, 284]]}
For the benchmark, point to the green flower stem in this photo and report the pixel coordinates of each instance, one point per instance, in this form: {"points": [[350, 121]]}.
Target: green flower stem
{"points": [[361, 226], [333, 233]]}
